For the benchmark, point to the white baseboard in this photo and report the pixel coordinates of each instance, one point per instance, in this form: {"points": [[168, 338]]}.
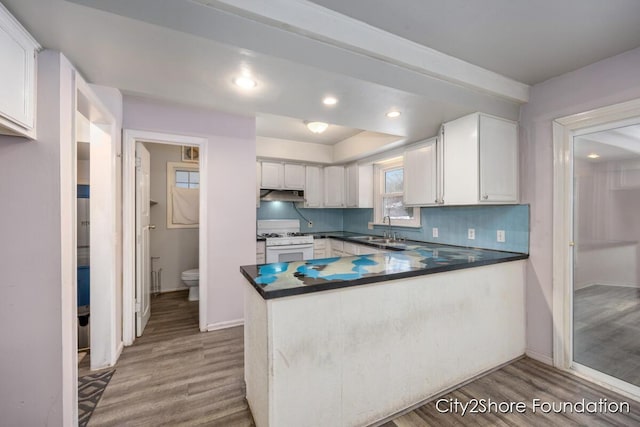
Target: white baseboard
{"points": [[118, 352], [547, 360], [225, 324], [181, 288]]}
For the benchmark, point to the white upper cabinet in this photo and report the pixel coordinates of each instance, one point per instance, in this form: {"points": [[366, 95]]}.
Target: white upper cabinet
{"points": [[359, 186], [479, 161], [313, 192], [293, 177], [498, 160], [420, 174], [17, 77], [279, 176], [272, 175], [334, 187]]}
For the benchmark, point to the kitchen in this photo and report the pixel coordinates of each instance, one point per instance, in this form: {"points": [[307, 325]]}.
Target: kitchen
{"points": [[367, 88]]}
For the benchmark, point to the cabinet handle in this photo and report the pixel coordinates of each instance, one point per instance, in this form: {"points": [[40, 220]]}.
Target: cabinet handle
{"points": [[485, 197]]}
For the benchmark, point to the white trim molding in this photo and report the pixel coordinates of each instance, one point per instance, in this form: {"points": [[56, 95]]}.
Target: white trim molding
{"points": [[224, 325], [564, 129], [129, 140]]}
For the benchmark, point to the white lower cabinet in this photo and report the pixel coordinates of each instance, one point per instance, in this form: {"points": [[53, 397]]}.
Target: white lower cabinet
{"points": [[340, 248], [260, 252], [320, 248], [335, 248]]}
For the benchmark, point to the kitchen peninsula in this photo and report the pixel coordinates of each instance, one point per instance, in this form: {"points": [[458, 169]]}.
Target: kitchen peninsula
{"points": [[351, 341]]}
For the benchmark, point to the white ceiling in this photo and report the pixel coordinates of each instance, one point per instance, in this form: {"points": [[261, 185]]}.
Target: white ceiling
{"points": [[615, 144], [529, 41], [271, 126], [187, 52]]}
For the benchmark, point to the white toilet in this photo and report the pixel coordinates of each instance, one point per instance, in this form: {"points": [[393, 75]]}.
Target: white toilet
{"points": [[191, 278]]}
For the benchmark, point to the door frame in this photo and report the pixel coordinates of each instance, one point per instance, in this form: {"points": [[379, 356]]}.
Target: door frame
{"points": [[130, 137], [564, 129]]}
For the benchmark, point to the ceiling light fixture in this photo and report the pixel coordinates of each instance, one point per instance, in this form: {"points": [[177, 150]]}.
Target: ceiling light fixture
{"points": [[317, 127], [245, 82], [330, 100], [393, 114], [593, 156]]}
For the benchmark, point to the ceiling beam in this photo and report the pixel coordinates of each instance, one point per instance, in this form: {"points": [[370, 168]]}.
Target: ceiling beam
{"points": [[316, 22]]}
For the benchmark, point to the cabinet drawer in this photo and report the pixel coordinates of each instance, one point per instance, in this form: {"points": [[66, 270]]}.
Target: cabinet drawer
{"points": [[319, 244]]}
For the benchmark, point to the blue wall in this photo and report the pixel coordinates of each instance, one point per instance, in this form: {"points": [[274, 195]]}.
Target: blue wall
{"points": [[452, 223], [323, 219]]}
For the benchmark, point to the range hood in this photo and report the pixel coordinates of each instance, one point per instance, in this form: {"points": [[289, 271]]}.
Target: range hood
{"points": [[281, 195]]}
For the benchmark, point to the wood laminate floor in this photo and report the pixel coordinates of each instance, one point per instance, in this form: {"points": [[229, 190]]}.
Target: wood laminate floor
{"points": [[607, 330], [176, 376]]}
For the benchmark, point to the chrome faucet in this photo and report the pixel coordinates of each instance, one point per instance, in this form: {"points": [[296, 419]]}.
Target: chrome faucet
{"points": [[388, 218]]}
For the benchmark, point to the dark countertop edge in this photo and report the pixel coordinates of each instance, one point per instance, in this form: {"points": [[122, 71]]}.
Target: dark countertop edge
{"points": [[331, 285], [350, 239]]}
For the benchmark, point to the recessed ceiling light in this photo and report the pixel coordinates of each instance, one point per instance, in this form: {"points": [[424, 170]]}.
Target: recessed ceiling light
{"points": [[593, 156], [330, 100], [245, 82], [317, 127], [393, 114]]}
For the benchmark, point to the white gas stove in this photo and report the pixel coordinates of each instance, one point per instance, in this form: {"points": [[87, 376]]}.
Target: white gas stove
{"points": [[283, 240]]}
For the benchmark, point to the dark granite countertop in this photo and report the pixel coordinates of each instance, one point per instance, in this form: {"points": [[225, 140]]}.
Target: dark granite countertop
{"points": [[414, 259]]}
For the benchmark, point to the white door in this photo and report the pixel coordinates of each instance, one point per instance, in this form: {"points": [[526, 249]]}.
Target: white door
{"points": [[143, 257]]}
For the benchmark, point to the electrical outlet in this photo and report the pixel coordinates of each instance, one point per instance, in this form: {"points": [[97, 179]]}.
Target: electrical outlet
{"points": [[501, 236], [370, 226], [434, 231], [310, 224], [471, 234]]}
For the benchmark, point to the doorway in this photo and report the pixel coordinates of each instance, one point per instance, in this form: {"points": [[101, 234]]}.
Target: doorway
{"points": [[606, 234], [132, 283], [596, 246], [167, 218]]}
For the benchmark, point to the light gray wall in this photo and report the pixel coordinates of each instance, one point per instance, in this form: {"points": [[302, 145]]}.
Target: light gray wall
{"points": [[176, 247], [231, 216], [31, 306], [607, 82]]}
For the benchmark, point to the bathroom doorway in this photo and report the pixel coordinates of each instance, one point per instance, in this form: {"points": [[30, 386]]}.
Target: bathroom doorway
{"points": [[177, 224], [167, 218]]}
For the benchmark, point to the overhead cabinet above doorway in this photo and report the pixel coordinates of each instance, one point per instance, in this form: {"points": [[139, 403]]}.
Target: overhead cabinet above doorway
{"points": [[473, 161]]}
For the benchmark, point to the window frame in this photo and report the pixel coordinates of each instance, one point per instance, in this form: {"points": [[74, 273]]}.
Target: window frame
{"points": [[380, 170], [172, 168]]}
